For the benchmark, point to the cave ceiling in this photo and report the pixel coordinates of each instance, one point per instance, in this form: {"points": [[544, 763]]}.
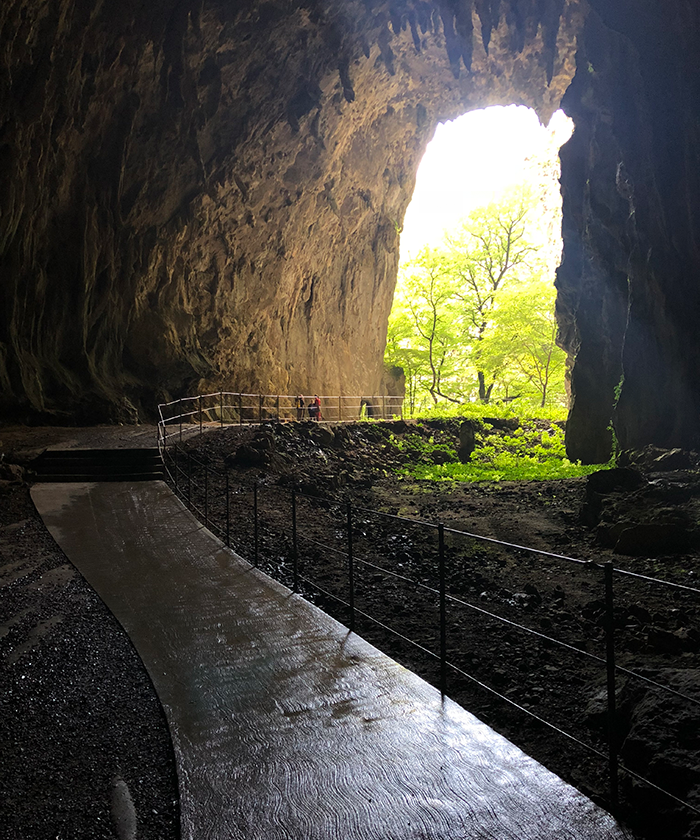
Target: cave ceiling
{"points": [[208, 194]]}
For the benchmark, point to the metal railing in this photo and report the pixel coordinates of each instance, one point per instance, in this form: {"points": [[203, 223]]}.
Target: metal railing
{"points": [[300, 551], [179, 418]]}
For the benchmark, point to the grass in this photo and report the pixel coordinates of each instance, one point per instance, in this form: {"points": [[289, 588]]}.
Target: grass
{"points": [[527, 454], [501, 410]]}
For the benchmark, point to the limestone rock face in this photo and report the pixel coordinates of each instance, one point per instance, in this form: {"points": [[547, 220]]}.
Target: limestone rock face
{"points": [[629, 290], [208, 194], [205, 194]]}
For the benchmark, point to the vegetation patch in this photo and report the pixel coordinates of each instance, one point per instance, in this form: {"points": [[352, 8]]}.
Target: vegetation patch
{"points": [[473, 318], [528, 453]]}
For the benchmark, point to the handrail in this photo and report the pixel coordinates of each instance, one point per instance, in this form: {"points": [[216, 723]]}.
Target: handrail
{"points": [[608, 660], [228, 407]]}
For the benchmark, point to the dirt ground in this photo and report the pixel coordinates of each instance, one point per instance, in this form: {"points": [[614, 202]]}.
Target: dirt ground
{"points": [[79, 714], [83, 738], [396, 583]]}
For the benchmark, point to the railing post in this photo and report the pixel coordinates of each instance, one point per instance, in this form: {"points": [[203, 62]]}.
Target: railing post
{"points": [[206, 496], [351, 570], [180, 404], [200, 414], [221, 408], [340, 409], [295, 552], [443, 611], [383, 407], [612, 702], [175, 469], [228, 515], [260, 407], [277, 407], [189, 478], [255, 523], [240, 409]]}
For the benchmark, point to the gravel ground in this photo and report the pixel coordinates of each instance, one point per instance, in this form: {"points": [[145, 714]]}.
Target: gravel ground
{"points": [[84, 745]]}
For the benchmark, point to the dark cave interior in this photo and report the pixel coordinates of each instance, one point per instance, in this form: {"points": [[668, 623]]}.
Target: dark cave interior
{"points": [[199, 195], [207, 195]]}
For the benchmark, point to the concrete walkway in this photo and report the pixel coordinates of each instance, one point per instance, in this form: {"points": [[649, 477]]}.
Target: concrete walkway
{"points": [[285, 726]]}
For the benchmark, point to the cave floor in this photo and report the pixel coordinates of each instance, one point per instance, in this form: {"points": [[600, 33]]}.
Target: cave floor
{"points": [[284, 724], [33, 439]]}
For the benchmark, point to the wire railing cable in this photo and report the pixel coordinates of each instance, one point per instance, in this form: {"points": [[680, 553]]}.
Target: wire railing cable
{"points": [[502, 619], [184, 477], [527, 711]]}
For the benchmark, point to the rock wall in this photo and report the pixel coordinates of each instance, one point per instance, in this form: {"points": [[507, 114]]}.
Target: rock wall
{"points": [[629, 290], [207, 194]]}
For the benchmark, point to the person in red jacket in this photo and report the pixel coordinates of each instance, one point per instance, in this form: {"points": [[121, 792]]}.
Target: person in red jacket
{"points": [[315, 408]]}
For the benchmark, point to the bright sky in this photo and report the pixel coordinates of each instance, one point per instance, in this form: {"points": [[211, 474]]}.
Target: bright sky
{"points": [[469, 162]]}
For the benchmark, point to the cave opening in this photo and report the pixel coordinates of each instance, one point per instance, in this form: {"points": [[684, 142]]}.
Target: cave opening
{"points": [[219, 207], [473, 311], [205, 195]]}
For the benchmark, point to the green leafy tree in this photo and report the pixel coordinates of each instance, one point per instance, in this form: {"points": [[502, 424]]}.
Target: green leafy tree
{"points": [[426, 322], [400, 351], [521, 343], [488, 251], [474, 318]]}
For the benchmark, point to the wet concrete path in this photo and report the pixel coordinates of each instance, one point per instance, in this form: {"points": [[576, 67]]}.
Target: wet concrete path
{"points": [[285, 726]]}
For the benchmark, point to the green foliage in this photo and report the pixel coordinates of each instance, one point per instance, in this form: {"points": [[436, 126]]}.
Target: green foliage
{"points": [[520, 344], [424, 334], [500, 409], [529, 453], [420, 449], [474, 318], [506, 469]]}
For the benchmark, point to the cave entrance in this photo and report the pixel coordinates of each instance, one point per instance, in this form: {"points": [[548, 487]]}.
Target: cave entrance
{"points": [[473, 312]]}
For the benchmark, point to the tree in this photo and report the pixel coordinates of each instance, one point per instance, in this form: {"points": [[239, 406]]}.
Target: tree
{"points": [[521, 343], [400, 352], [474, 318], [425, 320], [490, 249]]}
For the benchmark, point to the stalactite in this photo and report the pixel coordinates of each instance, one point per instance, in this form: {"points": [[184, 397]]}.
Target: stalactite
{"points": [[551, 21], [484, 10], [464, 26]]}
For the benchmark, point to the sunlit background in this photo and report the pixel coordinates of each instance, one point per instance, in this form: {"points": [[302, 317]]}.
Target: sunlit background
{"points": [[473, 319], [473, 160]]}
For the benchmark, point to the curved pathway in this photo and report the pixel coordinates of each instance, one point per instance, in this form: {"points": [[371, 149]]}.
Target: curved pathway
{"points": [[285, 725]]}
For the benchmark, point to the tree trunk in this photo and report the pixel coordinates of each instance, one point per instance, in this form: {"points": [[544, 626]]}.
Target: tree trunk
{"points": [[484, 392]]}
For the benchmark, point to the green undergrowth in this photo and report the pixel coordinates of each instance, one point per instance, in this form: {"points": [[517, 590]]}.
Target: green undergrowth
{"points": [[529, 453], [501, 410]]}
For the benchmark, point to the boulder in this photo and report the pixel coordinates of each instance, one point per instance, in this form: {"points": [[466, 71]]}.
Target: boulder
{"points": [[674, 459], [398, 427], [467, 441], [503, 424], [249, 456], [648, 539], [11, 472], [440, 456], [617, 478], [264, 441], [322, 435], [639, 457]]}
